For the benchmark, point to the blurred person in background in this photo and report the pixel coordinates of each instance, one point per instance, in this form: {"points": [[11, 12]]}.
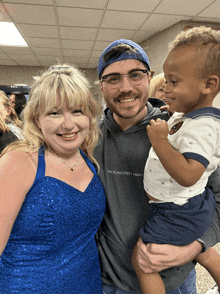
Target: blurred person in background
{"points": [[18, 101], [157, 86], [10, 116]]}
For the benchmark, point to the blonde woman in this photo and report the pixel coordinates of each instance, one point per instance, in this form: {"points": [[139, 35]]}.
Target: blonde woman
{"points": [[9, 115], [157, 85], [50, 212]]}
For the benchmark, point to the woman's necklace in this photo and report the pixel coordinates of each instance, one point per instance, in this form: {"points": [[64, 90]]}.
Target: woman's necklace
{"points": [[70, 167]]}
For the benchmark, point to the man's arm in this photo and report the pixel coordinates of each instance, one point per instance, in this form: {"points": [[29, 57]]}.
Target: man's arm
{"points": [[155, 257]]}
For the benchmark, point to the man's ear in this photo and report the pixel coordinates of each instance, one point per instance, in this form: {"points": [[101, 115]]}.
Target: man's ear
{"points": [[101, 87], [211, 85], [150, 76]]}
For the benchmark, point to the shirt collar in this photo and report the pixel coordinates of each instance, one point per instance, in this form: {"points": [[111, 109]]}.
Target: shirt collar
{"points": [[205, 111]]}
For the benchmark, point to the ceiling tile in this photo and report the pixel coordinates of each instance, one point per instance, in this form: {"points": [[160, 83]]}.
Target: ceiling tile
{"points": [[82, 3], [28, 62], [41, 31], [32, 14], [79, 53], [77, 22], [113, 34], [73, 59], [207, 20], [212, 11], [94, 60], [79, 17], [180, 7], [96, 53], [40, 2], [46, 51], [16, 50], [4, 15], [123, 20], [43, 42], [159, 22], [100, 46], [4, 56], [78, 44], [7, 62], [78, 33], [141, 36], [48, 60], [129, 5], [19, 57]]}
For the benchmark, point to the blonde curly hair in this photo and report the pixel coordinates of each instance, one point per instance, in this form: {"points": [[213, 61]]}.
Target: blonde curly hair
{"points": [[3, 126]]}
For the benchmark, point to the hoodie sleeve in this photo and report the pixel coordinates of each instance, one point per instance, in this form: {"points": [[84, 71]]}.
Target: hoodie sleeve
{"points": [[212, 235]]}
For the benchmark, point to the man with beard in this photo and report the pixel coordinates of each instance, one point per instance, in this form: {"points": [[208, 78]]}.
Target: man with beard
{"points": [[123, 150]]}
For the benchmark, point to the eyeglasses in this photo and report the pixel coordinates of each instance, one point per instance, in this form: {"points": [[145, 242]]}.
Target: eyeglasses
{"points": [[135, 77]]}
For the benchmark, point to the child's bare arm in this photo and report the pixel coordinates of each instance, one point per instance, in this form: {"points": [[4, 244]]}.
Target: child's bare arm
{"points": [[185, 172], [150, 283], [210, 260]]}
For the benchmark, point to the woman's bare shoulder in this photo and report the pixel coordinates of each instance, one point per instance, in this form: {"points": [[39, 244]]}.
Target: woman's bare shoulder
{"points": [[19, 165]]}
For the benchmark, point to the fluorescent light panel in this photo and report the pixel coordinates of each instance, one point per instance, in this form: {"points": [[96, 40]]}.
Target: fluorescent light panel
{"points": [[10, 36]]}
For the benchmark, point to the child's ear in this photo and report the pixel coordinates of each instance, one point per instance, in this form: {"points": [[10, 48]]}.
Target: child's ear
{"points": [[211, 85]]}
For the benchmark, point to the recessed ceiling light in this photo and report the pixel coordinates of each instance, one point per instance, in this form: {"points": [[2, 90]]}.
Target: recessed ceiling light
{"points": [[10, 36]]}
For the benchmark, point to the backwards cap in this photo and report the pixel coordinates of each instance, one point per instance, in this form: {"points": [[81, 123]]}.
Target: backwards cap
{"points": [[139, 54]]}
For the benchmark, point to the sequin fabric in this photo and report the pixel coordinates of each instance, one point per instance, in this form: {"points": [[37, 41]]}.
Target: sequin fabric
{"points": [[52, 246]]}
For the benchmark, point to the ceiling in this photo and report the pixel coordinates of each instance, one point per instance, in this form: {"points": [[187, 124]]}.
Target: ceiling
{"points": [[77, 31]]}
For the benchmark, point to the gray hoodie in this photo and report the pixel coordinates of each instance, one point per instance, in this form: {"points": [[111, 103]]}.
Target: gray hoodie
{"points": [[122, 156]]}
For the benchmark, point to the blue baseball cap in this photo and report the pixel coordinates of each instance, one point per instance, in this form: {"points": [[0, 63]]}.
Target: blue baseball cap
{"points": [[139, 55]]}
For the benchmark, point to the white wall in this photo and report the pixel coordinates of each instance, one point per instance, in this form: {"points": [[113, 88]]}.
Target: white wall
{"points": [[156, 47], [10, 75], [216, 102]]}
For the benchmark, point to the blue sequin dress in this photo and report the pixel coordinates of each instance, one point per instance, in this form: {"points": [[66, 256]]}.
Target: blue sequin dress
{"points": [[52, 246]]}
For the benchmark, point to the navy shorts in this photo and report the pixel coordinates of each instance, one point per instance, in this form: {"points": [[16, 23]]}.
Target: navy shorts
{"points": [[169, 223]]}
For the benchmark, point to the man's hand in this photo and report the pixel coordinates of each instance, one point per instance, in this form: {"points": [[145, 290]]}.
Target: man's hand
{"points": [[156, 257]]}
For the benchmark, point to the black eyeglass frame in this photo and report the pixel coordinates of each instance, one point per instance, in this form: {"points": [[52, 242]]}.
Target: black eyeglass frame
{"points": [[103, 78]]}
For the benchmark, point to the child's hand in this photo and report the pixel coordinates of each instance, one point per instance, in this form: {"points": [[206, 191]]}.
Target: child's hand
{"points": [[164, 107], [157, 131]]}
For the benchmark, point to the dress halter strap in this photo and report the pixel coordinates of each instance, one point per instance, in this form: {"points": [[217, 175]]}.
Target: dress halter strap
{"points": [[89, 163], [40, 168]]}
